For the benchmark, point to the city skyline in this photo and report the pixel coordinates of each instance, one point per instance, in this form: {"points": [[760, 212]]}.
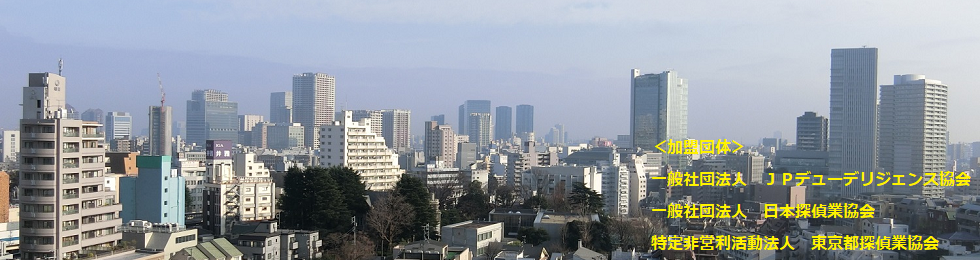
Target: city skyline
{"points": [[798, 73]]}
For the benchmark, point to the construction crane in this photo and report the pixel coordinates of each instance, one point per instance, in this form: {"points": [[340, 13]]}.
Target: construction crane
{"points": [[163, 120]]}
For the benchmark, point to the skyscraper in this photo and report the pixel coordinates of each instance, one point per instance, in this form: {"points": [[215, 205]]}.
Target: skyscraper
{"points": [[658, 112], [118, 125], [161, 142], [281, 107], [314, 96], [245, 124], [913, 131], [210, 116], [853, 116], [524, 123], [440, 119], [440, 144], [811, 132], [480, 129], [470, 107], [65, 209], [396, 129], [503, 129]]}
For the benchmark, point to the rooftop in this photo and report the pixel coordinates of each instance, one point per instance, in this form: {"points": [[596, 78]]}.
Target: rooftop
{"points": [[131, 255], [473, 224]]}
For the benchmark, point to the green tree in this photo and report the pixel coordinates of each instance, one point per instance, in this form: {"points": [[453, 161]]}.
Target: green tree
{"points": [[474, 203], [311, 200], [586, 199], [600, 240], [352, 188], [505, 196], [533, 236], [536, 201], [415, 194], [571, 235]]}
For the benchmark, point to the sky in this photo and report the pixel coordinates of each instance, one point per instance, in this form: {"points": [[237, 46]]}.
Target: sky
{"points": [[752, 66]]}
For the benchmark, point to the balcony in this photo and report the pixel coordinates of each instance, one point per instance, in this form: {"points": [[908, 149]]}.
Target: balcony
{"points": [[69, 242], [69, 150], [69, 212], [70, 181], [70, 165], [93, 135], [70, 196], [70, 134], [67, 228]]}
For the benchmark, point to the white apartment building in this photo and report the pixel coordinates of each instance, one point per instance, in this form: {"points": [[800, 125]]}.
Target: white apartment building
{"points": [[65, 209], [232, 196], [352, 144]]}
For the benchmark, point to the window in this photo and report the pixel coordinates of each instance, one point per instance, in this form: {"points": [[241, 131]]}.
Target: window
{"points": [[165, 203]]}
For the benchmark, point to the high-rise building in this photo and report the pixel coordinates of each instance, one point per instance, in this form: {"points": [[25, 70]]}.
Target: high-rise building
{"points": [[239, 189], [210, 116], [374, 117], [118, 125], [314, 103], [852, 145], [95, 115], [524, 120], [284, 136], [161, 142], [11, 146], [440, 143], [912, 131], [245, 124], [557, 135], [470, 107], [281, 107], [396, 128], [66, 210], [440, 119], [811, 132], [155, 195], [503, 129], [480, 129], [658, 112], [352, 144]]}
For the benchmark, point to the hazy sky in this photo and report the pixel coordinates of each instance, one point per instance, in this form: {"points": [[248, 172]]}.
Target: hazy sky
{"points": [[753, 66]]}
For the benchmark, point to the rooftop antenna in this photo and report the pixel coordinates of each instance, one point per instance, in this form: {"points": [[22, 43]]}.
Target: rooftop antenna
{"points": [[61, 65], [163, 95]]}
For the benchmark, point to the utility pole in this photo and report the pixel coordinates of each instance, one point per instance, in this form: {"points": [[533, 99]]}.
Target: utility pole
{"points": [[424, 240]]}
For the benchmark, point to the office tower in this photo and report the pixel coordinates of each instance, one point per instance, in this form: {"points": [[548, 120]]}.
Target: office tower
{"points": [[658, 112], [210, 116], [281, 107], [524, 122], [440, 119], [913, 130], [284, 136], [352, 144], [374, 117], [156, 194], [95, 115], [160, 141], [65, 208], [479, 130], [11, 146], [118, 125], [470, 107], [72, 112], [811, 132], [240, 189], [466, 154], [440, 144], [314, 104], [396, 129], [503, 128], [624, 141], [853, 116], [557, 135], [245, 124]]}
